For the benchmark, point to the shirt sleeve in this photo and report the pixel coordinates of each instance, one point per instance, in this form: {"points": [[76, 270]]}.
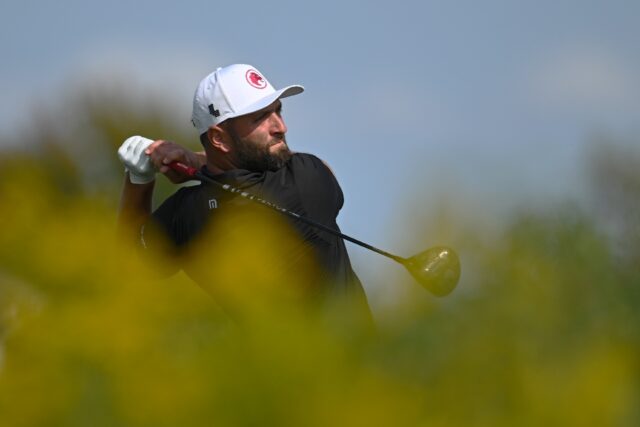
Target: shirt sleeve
{"points": [[161, 231]]}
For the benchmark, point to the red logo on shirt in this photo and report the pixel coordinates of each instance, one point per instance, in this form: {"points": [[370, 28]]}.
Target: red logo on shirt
{"points": [[256, 80]]}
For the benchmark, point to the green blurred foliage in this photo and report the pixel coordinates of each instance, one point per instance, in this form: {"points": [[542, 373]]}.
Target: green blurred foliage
{"points": [[77, 140], [544, 328], [615, 183]]}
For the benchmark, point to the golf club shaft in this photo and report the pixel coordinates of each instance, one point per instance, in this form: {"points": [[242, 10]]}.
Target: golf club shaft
{"points": [[194, 173]]}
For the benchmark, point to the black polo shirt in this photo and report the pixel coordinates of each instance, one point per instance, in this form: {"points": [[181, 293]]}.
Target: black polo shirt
{"points": [[305, 185]]}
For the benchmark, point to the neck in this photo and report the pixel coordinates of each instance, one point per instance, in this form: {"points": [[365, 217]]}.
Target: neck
{"points": [[219, 164], [214, 169]]}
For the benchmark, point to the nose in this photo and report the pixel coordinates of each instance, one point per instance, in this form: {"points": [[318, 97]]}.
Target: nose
{"points": [[278, 127]]}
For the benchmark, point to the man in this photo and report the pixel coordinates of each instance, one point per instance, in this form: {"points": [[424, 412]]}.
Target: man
{"points": [[238, 115]]}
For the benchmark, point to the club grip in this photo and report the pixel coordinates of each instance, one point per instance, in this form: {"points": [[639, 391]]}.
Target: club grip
{"points": [[183, 169]]}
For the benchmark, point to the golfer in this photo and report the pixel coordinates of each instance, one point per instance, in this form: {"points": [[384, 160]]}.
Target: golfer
{"points": [[238, 116]]}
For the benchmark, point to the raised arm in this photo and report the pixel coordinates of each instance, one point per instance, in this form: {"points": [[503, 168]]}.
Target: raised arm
{"points": [[142, 158]]}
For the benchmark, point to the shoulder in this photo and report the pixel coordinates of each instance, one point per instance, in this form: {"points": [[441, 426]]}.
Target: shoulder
{"points": [[309, 161], [315, 181], [178, 202], [181, 216]]}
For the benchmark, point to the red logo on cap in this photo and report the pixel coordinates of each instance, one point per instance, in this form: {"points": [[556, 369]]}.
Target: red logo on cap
{"points": [[256, 80]]}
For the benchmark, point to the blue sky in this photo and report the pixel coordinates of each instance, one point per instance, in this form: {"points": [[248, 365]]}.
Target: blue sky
{"points": [[490, 102]]}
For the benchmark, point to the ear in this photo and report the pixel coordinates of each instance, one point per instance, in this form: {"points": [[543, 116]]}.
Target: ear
{"points": [[218, 138]]}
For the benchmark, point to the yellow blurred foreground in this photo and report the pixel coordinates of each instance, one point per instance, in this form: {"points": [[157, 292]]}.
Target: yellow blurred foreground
{"points": [[543, 331]]}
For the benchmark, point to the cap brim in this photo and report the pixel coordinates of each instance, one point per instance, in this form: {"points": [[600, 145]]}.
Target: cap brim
{"points": [[268, 100]]}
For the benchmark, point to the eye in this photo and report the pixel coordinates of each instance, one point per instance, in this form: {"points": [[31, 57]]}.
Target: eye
{"points": [[262, 116]]}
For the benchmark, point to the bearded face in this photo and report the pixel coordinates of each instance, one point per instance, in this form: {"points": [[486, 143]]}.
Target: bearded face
{"points": [[259, 154]]}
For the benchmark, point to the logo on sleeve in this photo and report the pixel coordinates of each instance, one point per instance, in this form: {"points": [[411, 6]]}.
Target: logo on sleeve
{"points": [[213, 204], [255, 79]]}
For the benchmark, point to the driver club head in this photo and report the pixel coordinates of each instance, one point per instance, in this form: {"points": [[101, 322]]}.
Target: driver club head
{"points": [[437, 269]]}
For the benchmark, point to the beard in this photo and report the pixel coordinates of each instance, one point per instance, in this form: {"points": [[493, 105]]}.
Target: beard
{"points": [[257, 158]]}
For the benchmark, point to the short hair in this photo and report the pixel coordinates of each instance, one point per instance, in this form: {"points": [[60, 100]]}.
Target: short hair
{"points": [[204, 140]]}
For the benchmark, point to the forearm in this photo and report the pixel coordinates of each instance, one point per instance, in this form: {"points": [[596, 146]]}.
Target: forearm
{"points": [[162, 156], [198, 159], [135, 207], [194, 159]]}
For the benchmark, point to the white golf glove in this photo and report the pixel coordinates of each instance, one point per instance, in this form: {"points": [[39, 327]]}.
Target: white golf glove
{"points": [[139, 165]]}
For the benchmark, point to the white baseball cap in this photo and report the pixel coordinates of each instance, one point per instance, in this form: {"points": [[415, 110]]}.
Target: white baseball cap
{"points": [[233, 91]]}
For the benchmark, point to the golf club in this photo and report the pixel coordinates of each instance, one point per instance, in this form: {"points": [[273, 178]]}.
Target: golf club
{"points": [[437, 269]]}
